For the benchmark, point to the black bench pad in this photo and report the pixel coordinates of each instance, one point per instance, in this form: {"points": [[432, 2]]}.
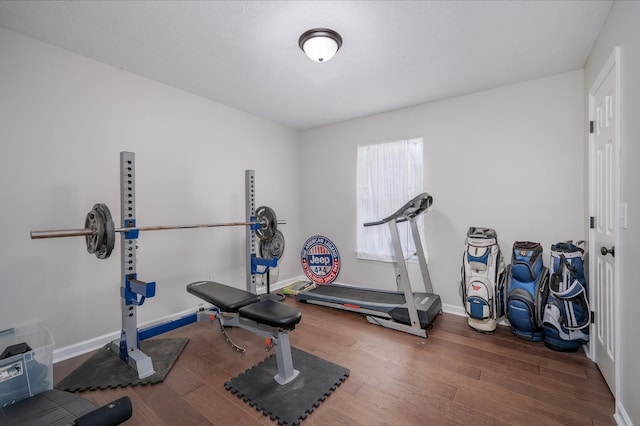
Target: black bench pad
{"points": [[248, 305], [272, 313], [227, 298]]}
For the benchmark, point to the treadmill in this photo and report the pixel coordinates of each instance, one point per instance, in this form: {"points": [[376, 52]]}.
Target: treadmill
{"points": [[401, 310]]}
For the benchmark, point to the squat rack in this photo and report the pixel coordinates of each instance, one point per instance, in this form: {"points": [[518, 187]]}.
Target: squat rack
{"points": [[100, 237]]}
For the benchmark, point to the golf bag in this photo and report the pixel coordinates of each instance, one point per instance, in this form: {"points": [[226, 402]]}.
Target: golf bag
{"points": [[482, 279], [527, 286], [566, 314]]}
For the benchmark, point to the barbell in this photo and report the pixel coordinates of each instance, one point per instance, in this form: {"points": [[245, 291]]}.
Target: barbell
{"points": [[100, 232]]}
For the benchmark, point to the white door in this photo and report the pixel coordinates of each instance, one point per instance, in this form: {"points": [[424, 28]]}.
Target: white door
{"points": [[604, 212]]}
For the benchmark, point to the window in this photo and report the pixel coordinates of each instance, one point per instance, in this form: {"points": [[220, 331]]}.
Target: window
{"points": [[388, 175]]}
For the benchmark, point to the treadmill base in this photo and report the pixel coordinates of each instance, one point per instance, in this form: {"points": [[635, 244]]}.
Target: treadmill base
{"points": [[379, 304]]}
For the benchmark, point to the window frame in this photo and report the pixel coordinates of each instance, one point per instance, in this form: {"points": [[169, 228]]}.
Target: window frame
{"points": [[388, 174]]}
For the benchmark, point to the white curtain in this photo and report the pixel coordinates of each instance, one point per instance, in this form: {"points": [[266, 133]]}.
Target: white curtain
{"points": [[389, 175]]}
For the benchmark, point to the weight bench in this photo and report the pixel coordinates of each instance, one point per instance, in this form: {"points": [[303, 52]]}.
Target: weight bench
{"points": [[267, 318]]}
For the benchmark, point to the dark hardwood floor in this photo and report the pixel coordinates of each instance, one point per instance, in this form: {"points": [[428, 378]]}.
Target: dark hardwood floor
{"points": [[456, 376]]}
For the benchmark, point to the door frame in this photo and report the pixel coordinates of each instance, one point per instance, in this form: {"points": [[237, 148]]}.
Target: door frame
{"points": [[613, 62]]}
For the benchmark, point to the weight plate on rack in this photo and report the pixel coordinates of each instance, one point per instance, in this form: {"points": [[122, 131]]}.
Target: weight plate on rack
{"points": [[103, 238], [266, 217], [273, 247]]}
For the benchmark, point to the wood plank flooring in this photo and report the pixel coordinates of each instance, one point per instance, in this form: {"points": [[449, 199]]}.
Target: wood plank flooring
{"points": [[454, 377]]}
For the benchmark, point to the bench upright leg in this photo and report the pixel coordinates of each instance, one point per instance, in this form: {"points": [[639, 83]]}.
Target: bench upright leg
{"points": [[284, 361]]}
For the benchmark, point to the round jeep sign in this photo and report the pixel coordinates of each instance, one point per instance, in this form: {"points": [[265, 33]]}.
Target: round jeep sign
{"points": [[320, 259]]}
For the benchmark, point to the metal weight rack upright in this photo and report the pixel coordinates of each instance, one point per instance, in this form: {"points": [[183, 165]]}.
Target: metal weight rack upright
{"points": [[253, 261], [249, 187], [133, 292]]}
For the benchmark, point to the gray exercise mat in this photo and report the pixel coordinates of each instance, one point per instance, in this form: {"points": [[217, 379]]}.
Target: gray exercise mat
{"points": [[291, 403], [106, 370]]}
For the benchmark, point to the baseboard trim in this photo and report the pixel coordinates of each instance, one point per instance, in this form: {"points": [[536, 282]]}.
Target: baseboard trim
{"points": [[90, 345], [621, 417], [453, 309]]}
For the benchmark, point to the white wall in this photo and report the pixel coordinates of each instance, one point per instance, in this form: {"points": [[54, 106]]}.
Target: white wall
{"points": [[622, 29], [509, 158], [63, 121]]}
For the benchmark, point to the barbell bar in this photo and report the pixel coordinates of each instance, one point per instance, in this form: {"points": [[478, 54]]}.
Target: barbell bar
{"points": [[99, 229]]}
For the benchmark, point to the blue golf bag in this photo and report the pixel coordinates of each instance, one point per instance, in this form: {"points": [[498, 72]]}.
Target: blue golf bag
{"points": [[566, 315], [482, 279], [527, 286]]}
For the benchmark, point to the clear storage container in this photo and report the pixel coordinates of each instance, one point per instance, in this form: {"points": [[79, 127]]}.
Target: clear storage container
{"points": [[23, 375]]}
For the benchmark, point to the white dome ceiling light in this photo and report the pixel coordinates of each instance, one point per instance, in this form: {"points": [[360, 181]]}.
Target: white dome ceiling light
{"points": [[320, 44]]}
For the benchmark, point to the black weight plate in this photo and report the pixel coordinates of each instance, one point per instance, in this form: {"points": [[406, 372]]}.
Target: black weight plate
{"points": [[102, 241], [108, 240], [273, 247], [266, 217], [92, 222]]}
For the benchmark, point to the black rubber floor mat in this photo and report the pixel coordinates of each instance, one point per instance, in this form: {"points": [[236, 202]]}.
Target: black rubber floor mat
{"points": [[106, 370], [291, 403]]}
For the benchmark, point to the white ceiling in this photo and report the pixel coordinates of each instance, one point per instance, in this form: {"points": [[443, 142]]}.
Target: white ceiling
{"points": [[395, 54]]}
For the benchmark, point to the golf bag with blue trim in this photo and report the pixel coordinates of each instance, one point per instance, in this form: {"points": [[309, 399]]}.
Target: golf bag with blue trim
{"points": [[566, 315], [482, 279], [527, 286]]}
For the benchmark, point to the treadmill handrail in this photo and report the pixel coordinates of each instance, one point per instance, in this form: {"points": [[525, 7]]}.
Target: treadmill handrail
{"points": [[418, 205]]}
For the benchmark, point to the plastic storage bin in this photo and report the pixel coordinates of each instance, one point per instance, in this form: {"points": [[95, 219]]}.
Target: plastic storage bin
{"points": [[27, 374]]}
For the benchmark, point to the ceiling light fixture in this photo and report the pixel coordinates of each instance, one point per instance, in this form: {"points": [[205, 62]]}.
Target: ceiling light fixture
{"points": [[320, 44]]}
